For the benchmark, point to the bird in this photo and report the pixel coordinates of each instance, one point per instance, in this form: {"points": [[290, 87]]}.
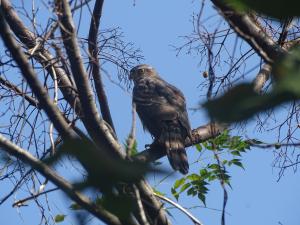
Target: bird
{"points": [[162, 110]]}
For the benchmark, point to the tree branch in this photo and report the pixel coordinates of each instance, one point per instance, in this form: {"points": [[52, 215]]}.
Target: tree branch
{"points": [[32, 101], [199, 135], [96, 127], [45, 102], [30, 41], [262, 77], [21, 202], [246, 28], [152, 205], [60, 182], [194, 219], [95, 64]]}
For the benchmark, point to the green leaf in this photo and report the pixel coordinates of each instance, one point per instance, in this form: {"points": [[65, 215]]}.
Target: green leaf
{"points": [[275, 8], [214, 166], [212, 177], [179, 182], [254, 141], [204, 173], [184, 187], [193, 177], [175, 193], [59, 218], [192, 192], [202, 198], [198, 147], [236, 162], [158, 192], [75, 206], [236, 153]]}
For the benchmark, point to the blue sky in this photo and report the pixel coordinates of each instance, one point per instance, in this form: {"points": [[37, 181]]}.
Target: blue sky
{"points": [[154, 26]]}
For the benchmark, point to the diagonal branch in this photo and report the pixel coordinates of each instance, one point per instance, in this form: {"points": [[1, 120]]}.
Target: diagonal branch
{"points": [[96, 127], [247, 29], [186, 212], [32, 101], [95, 64], [59, 181]]}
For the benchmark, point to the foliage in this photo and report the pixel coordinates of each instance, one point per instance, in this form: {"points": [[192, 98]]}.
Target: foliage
{"points": [[59, 218], [197, 184]]}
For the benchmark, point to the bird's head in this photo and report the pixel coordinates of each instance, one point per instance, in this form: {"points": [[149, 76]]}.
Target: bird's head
{"points": [[140, 71]]}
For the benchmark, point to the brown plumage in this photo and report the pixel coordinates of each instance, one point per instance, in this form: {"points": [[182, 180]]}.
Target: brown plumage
{"points": [[162, 110]]}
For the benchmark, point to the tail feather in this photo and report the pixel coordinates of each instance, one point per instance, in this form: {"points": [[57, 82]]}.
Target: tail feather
{"points": [[173, 141]]}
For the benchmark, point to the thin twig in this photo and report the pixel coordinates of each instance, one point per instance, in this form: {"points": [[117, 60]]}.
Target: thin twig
{"points": [[186, 212], [21, 202]]}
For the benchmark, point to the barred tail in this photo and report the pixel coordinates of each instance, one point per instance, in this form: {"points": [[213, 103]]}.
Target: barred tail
{"points": [[173, 141]]}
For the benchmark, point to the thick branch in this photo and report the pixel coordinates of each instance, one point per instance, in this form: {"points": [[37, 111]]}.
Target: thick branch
{"points": [[96, 127], [60, 182], [246, 28], [95, 64], [199, 135], [265, 72]]}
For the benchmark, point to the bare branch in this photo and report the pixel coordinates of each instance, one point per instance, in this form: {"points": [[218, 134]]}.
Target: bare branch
{"points": [[95, 64], [96, 127], [29, 74], [22, 202], [32, 101], [29, 40], [194, 219], [246, 28]]}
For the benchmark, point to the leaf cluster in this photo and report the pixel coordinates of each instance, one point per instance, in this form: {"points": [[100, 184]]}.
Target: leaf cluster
{"points": [[196, 184]]}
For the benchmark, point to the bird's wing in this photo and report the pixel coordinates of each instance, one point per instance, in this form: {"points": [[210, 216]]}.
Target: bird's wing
{"points": [[159, 99], [176, 99]]}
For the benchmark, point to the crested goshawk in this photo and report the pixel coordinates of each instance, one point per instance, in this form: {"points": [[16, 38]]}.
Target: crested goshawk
{"points": [[162, 110]]}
